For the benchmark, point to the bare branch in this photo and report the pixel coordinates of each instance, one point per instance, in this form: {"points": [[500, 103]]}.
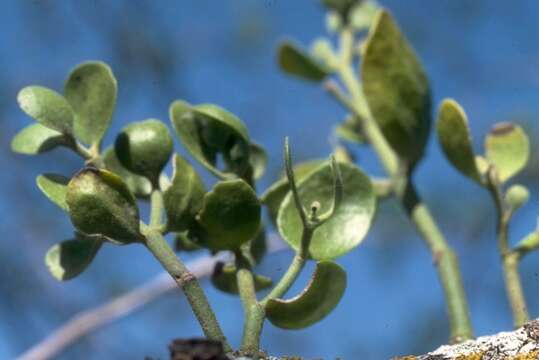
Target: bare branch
{"points": [[89, 320]]}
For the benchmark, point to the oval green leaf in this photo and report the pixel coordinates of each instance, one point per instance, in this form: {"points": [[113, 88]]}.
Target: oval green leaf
{"points": [[295, 61], [346, 228], [455, 139], [274, 195], [37, 139], [224, 279], [507, 148], [183, 199], [396, 89], [137, 184], [47, 107], [101, 204], [207, 130], [69, 258], [54, 187], [91, 91], [230, 215], [318, 299], [144, 147]]}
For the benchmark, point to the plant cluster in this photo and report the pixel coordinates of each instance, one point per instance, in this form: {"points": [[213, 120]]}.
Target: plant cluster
{"points": [[322, 208]]}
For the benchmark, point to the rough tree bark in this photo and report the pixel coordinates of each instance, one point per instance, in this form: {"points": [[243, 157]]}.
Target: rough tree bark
{"points": [[521, 344]]}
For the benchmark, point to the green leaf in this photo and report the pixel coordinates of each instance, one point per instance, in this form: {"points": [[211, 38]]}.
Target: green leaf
{"points": [[507, 148], [295, 61], [101, 204], [47, 107], [224, 279], [454, 137], [275, 194], [396, 89], [207, 130], [318, 299], [69, 258], [230, 215], [91, 91], [182, 242], [183, 199], [346, 228], [37, 139], [138, 185], [54, 187], [144, 147], [258, 160], [516, 196]]}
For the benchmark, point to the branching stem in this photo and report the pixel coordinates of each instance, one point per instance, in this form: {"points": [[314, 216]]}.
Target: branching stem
{"points": [[444, 257], [162, 251], [510, 257]]}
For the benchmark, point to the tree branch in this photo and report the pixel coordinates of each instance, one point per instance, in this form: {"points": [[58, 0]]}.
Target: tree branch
{"points": [[92, 319]]}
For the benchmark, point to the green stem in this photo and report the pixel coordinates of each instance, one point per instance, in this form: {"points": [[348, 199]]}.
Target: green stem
{"points": [[514, 289], [159, 247], [253, 311], [510, 257], [293, 270], [445, 259], [161, 250], [157, 207]]}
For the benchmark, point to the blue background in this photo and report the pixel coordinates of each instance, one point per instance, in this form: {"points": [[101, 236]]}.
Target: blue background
{"points": [[484, 53]]}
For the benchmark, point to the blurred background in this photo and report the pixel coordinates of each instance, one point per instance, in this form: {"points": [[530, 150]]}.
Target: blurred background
{"points": [[484, 53]]}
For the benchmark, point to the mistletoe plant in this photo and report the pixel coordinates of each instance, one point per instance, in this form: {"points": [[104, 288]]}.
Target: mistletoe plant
{"points": [[322, 208], [324, 215]]}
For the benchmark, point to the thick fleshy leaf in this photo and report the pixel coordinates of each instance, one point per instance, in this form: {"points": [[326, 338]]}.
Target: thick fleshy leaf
{"points": [[295, 61], [224, 279], [230, 215], [507, 148], [54, 187], [454, 137], [47, 107], [319, 298], [396, 89], [258, 160], [101, 204], [36, 139], [137, 184], [183, 199], [207, 130], [69, 258], [346, 228], [275, 194], [91, 90], [144, 147]]}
